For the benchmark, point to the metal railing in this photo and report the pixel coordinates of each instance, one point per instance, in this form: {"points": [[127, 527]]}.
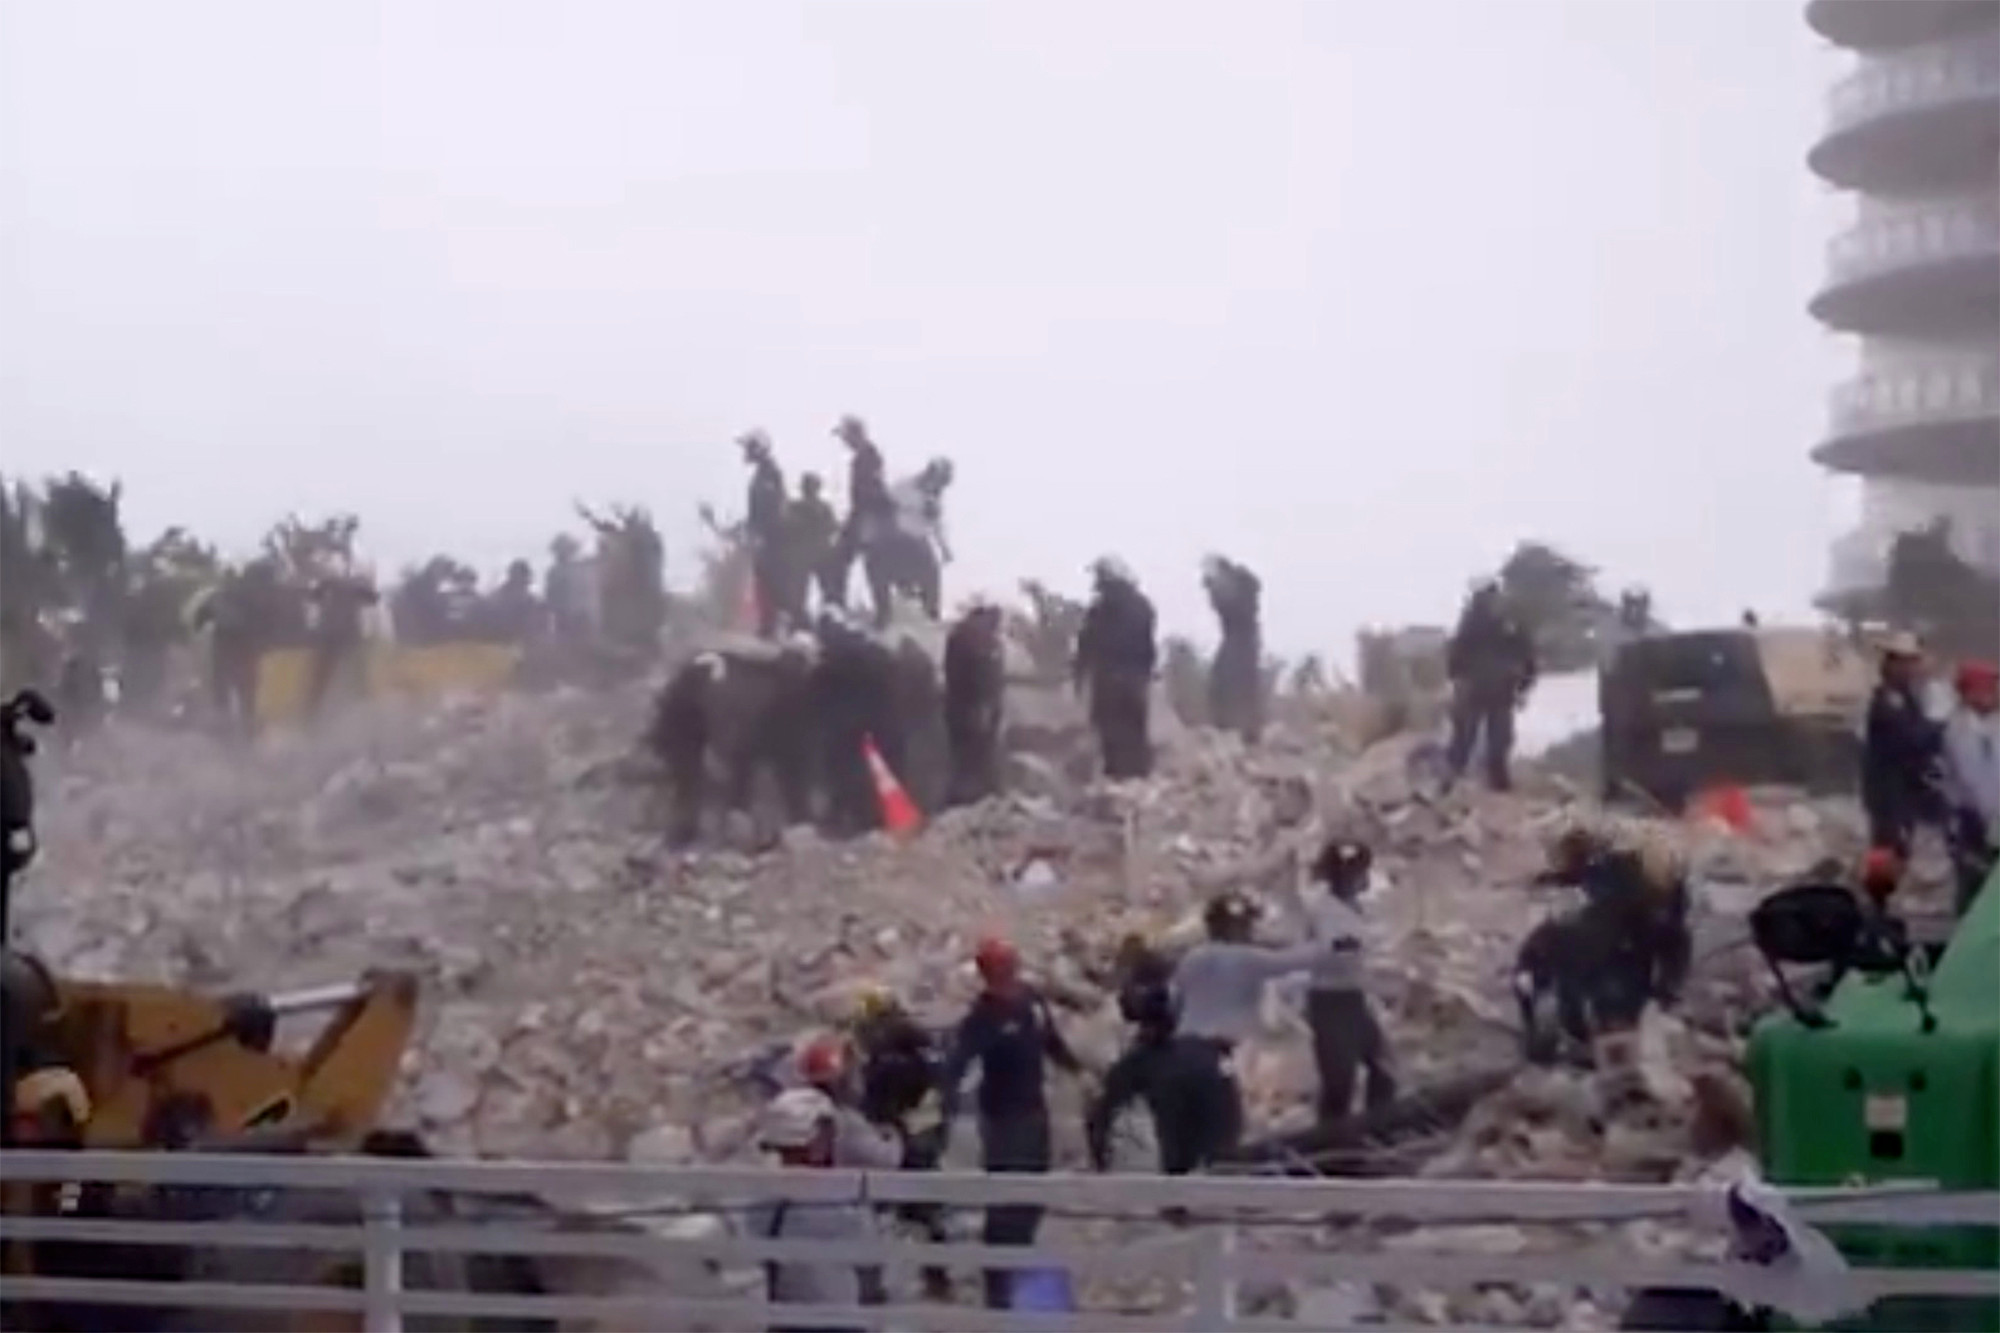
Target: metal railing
{"points": [[1961, 229], [1886, 399], [1207, 1255], [1955, 70]]}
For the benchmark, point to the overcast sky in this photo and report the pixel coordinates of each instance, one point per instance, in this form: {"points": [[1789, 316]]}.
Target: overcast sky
{"points": [[1358, 292]]}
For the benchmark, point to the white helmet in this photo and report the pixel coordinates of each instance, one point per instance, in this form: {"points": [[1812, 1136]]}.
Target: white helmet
{"points": [[794, 1117]]}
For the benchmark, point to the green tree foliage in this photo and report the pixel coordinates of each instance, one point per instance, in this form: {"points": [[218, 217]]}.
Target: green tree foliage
{"points": [[1556, 599]]}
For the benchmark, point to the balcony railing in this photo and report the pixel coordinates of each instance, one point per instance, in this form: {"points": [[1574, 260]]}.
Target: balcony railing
{"points": [[1962, 229], [1944, 72], [1884, 400]]}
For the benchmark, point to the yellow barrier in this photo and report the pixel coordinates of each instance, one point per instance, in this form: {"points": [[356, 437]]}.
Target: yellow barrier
{"points": [[426, 671]]}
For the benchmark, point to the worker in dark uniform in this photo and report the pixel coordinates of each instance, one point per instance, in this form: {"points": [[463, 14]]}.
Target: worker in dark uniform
{"points": [[854, 702], [1633, 941], [239, 617], [975, 682], [1901, 751], [512, 613], [1236, 680], [899, 1069], [1347, 1037], [870, 509], [1491, 661], [814, 537], [765, 524], [1011, 1035], [1116, 653]]}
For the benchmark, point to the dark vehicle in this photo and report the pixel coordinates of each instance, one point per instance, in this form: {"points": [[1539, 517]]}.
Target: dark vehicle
{"points": [[1681, 713]]}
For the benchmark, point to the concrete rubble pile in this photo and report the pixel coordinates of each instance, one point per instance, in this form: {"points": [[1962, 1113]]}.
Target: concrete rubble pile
{"points": [[593, 994]]}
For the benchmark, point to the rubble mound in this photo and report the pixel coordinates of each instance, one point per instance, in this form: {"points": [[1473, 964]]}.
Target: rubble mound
{"points": [[593, 994]]}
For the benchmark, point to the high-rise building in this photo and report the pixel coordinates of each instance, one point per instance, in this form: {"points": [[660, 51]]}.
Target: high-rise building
{"points": [[1913, 130]]}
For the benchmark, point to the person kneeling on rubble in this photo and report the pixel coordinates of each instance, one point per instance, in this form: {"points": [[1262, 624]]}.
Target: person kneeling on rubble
{"points": [[825, 1067], [1347, 1038], [1630, 943]]}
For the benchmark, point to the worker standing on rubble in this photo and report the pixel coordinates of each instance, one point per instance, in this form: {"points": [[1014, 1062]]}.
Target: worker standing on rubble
{"points": [[853, 684], [1011, 1035], [338, 603], [869, 506], [1901, 747], [1972, 777], [975, 680], [801, 1126], [765, 524], [1183, 1080], [1218, 991], [1236, 680], [814, 534], [1116, 653], [1491, 661], [1347, 1038]]}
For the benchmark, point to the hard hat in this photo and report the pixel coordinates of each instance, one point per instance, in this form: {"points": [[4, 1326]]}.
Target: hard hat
{"points": [[754, 442], [873, 1001], [1111, 569], [1901, 643], [996, 957], [1225, 910], [794, 1117], [823, 1061], [1881, 869], [850, 428], [1342, 858], [1972, 677]]}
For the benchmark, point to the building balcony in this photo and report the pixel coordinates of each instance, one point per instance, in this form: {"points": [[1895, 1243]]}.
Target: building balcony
{"points": [[1931, 271], [1876, 25], [1938, 424], [1920, 119]]}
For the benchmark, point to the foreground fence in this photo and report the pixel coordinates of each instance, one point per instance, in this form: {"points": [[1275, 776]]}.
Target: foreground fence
{"points": [[684, 1266]]}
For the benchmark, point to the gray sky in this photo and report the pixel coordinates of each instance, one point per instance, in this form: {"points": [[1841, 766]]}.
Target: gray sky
{"points": [[1359, 292]]}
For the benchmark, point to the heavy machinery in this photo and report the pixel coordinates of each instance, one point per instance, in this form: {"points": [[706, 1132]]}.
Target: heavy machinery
{"points": [[134, 1066], [1886, 1070], [1684, 712]]}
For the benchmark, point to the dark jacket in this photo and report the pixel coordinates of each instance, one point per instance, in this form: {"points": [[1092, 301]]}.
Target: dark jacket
{"points": [[974, 668], [1011, 1039], [1117, 636], [1900, 751], [766, 518], [1491, 653]]}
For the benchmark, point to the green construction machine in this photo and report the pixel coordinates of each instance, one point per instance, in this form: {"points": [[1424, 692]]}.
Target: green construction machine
{"points": [[1888, 1071]]}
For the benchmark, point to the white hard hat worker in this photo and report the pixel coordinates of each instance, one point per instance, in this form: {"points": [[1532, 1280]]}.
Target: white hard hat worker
{"points": [[798, 1125]]}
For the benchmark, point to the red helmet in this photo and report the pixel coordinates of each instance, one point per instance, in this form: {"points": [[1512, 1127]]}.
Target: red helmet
{"points": [[823, 1061], [997, 959], [1881, 871], [1977, 677]]}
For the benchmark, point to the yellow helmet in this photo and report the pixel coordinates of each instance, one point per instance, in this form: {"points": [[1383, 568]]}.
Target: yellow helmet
{"points": [[873, 1001]]}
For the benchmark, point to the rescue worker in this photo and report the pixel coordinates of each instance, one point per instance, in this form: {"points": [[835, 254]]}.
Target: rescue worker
{"points": [[1236, 680], [869, 507], [1347, 1038], [1011, 1035], [975, 683], [825, 1064], [854, 698], [765, 524], [1491, 662], [338, 603], [1116, 654], [1900, 750], [1634, 941], [1187, 1089], [899, 1069], [1972, 777], [801, 1126], [814, 534], [1218, 989]]}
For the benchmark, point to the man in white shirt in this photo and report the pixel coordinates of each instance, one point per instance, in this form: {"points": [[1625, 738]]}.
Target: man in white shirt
{"points": [[1972, 776], [1347, 1039]]}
